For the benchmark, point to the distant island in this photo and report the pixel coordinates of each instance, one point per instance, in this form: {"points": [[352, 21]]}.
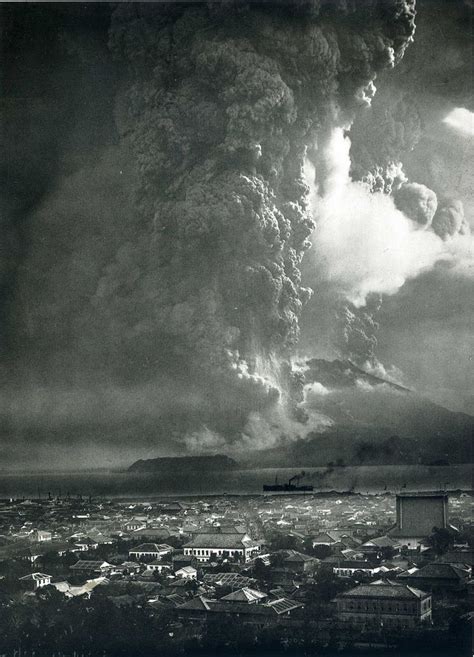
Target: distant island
{"points": [[184, 464]]}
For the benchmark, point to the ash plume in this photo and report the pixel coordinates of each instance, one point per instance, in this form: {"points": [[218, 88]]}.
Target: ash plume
{"points": [[220, 106], [398, 149]]}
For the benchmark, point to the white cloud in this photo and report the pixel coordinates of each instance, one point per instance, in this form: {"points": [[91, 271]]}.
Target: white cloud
{"points": [[317, 388], [362, 243], [461, 120]]}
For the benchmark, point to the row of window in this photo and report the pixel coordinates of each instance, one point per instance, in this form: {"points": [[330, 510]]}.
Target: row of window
{"points": [[400, 623], [347, 572], [382, 607], [208, 553]]}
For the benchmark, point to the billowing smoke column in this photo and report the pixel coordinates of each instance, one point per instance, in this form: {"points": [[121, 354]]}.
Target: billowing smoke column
{"points": [[221, 103], [370, 239], [356, 331], [397, 140]]}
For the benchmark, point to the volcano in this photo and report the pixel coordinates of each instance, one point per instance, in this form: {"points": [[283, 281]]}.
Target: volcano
{"points": [[373, 421]]}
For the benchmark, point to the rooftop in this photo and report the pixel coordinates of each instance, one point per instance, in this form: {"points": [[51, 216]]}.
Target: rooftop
{"points": [[441, 493], [245, 595], [446, 571], [391, 590], [220, 541]]}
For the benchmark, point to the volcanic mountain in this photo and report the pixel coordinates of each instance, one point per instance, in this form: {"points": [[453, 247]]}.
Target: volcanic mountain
{"points": [[372, 421]]}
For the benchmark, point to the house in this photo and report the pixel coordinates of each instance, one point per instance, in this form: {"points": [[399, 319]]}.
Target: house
{"points": [[150, 551], [84, 545], [464, 556], [438, 576], [180, 560], [199, 608], [187, 572], [349, 567], [208, 546], [173, 508], [30, 554], [325, 538], [135, 523], [299, 563], [380, 545], [158, 566], [38, 536], [245, 595], [231, 580], [152, 534], [35, 581], [90, 567], [384, 604], [125, 568]]}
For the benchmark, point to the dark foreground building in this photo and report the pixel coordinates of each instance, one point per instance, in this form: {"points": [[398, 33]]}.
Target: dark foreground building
{"points": [[385, 604]]}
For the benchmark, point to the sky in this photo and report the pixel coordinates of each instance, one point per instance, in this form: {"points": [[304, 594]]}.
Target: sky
{"points": [[187, 218]]}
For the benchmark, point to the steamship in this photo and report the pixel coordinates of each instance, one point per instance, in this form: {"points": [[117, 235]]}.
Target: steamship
{"points": [[289, 487]]}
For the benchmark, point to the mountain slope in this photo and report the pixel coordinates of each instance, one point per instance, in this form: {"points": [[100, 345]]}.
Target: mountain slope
{"points": [[374, 421]]}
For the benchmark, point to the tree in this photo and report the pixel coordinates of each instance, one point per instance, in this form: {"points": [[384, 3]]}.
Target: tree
{"points": [[282, 542], [260, 570], [387, 553], [327, 585], [322, 551], [441, 540], [277, 559]]}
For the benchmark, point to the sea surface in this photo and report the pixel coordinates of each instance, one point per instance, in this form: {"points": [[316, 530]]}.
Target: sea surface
{"points": [[356, 479]]}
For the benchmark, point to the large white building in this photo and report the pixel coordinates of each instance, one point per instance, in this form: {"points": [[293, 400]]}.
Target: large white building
{"points": [[205, 547]]}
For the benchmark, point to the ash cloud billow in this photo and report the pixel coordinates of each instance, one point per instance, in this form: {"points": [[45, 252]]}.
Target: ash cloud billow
{"points": [[251, 186], [221, 104]]}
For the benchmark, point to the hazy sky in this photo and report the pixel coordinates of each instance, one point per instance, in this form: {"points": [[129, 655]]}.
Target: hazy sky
{"points": [[158, 198]]}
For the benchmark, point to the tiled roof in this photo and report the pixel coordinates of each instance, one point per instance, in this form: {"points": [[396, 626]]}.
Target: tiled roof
{"points": [[394, 591], [158, 532], [200, 603], [354, 563], [85, 564], [228, 579], [35, 576], [463, 556], [150, 547], [423, 494], [220, 541], [380, 541], [299, 557], [245, 595], [284, 605], [439, 571]]}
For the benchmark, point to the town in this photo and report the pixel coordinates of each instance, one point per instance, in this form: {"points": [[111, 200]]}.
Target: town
{"points": [[320, 574]]}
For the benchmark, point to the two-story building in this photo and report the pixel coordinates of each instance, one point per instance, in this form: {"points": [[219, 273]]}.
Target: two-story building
{"points": [[150, 551], [438, 577], [349, 567], [35, 581], [384, 604], [208, 546]]}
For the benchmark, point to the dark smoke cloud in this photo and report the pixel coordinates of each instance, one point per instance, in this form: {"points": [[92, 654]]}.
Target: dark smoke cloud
{"points": [[193, 291], [220, 107], [402, 135], [356, 336], [449, 219], [417, 201]]}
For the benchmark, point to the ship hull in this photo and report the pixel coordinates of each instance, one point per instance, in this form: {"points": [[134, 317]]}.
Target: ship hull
{"points": [[286, 488]]}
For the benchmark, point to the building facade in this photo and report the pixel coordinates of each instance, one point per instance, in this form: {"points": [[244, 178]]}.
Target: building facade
{"points": [[205, 547], [417, 515], [386, 604]]}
